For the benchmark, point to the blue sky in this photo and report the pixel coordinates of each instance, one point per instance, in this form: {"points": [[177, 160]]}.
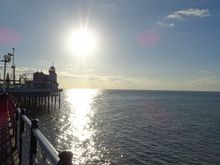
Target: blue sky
{"points": [[143, 44]]}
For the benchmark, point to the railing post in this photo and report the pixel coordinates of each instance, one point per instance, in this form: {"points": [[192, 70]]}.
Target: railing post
{"points": [[21, 131], [14, 120], [16, 125], [65, 158], [33, 144]]}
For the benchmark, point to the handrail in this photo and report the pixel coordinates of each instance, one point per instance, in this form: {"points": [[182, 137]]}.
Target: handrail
{"points": [[64, 157], [26, 120], [44, 143]]}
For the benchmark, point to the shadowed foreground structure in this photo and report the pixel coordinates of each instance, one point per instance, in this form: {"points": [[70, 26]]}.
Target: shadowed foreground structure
{"points": [[13, 124], [8, 151]]}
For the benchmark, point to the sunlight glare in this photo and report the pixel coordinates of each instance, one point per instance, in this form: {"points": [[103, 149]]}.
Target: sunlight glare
{"points": [[82, 42], [81, 116]]}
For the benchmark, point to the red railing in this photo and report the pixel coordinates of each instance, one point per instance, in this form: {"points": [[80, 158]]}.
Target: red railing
{"points": [[15, 117]]}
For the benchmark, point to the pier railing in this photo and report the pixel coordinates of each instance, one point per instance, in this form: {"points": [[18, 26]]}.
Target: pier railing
{"points": [[19, 121]]}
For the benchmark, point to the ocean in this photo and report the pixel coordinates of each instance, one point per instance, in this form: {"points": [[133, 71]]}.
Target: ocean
{"points": [[136, 127]]}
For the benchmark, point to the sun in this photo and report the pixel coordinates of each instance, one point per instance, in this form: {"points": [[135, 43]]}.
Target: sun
{"points": [[82, 41]]}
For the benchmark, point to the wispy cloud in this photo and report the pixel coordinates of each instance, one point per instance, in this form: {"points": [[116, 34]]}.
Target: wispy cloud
{"points": [[181, 14], [166, 25], [169, 20], [93, 77], [70, 80], [112, 3], [23, 70]]}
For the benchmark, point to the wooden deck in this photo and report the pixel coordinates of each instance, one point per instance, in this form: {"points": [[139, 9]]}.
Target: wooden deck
{"points": [[8, 151]]}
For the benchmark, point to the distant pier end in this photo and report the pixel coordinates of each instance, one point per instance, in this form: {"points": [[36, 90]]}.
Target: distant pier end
{"points": [[40, 91], [17, 96], [35, 89], [28, 82]]}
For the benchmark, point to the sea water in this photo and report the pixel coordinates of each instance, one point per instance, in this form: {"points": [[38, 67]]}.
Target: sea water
{"points": [[136, 127]]}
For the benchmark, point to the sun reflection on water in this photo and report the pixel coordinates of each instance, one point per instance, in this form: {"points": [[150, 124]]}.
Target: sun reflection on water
{"points": [[80, 129]]}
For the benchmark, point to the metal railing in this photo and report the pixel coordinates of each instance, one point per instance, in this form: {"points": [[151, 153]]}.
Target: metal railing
{"points": [[19, 120]]}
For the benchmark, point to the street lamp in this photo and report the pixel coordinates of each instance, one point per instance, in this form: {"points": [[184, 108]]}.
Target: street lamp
{"points": [[7, 59], [13, 63]]}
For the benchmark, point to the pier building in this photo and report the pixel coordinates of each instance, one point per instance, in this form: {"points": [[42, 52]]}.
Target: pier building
{"points": [[44, 81]]}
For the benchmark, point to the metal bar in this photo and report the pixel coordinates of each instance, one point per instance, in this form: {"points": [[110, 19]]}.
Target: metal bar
{"points": [[33, 144], [45, 144], [4, 71], [26, 120], [36, 136], [13, 65], [18, 127], [13, 119], [20, 135]]}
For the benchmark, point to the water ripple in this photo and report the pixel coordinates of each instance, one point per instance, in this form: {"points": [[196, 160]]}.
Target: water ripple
{"points": [[137, 127]]}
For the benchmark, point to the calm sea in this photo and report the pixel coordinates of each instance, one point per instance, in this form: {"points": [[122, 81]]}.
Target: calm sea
{"points": [[136, 127]]}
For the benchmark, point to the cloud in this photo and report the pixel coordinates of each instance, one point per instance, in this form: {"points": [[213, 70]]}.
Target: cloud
{"points": [[174, 16], [112, 3], [68, 79], [22, 70], [92, 77], [181, 14], [205, 83], [165, 25], [197, 84]]}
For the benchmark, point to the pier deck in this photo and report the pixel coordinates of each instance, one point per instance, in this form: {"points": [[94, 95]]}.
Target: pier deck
{"points": [[8, 151]]}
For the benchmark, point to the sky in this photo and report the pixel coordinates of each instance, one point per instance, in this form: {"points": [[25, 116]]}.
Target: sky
{"points": [[141, 44]]}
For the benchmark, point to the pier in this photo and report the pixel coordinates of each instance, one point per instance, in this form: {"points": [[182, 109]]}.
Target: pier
{"points": [[18, 98], [31, 90], [38, 98], [8, 149], [13, 124]]}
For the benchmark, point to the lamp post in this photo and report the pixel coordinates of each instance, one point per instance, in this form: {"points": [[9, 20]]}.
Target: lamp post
{"points": [[6, 58], [4, 70], [13, 64]]}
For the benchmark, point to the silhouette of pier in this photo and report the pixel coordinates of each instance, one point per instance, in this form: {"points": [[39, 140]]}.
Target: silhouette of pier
{"points": [[39, 91], [13, 121], [8, 150], [38, 98]]}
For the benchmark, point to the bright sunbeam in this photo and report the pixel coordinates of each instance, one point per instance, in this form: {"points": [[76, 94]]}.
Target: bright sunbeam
{"points": [[82, 41], [81, 115]]}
